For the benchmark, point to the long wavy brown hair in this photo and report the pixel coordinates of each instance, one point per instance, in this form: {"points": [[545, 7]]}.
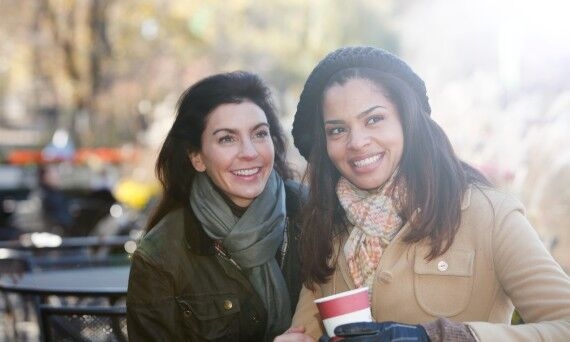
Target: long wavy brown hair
{"points": [[173, 167], [435, 179]]}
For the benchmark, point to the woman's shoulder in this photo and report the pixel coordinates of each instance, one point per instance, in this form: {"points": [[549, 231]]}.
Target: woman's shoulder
{"points": [[484, 217], [485, 198], [159, 239]]}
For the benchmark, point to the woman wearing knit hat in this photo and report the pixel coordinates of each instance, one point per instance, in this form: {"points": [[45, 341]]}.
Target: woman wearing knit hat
{"points": [[391, 207]]}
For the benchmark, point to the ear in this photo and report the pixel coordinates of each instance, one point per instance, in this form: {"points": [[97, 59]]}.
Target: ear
{"points": [[197, 162]]}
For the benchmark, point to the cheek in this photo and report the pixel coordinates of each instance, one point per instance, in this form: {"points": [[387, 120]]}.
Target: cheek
{"points": [[268, 151], [334, 151], [399, 141], [218, 161]]}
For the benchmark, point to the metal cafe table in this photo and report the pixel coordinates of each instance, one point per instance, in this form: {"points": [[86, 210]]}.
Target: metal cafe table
{"points": [[109, 283], [28, 243], [44, 251]]}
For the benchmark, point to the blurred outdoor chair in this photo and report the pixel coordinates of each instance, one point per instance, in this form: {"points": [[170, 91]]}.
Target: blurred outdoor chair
{"points": [[81, 255], [14, 261], [21, 308], [13, 264], [70, 288], [83, 323]]}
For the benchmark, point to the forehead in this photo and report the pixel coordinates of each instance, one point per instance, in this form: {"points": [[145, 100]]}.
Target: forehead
{"points": [[357, 83], [353, 96], [243, 115]]}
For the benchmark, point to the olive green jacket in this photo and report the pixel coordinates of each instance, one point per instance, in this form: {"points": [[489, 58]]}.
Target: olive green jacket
{"points": [[181, 288], [496, 262]]}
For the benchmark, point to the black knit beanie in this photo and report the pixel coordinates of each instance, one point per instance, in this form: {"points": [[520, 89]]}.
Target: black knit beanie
{"points": [[344, 58]]}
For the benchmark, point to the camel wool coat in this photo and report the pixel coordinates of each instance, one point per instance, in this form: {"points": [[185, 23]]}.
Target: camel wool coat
{"points": [[496, 263]]}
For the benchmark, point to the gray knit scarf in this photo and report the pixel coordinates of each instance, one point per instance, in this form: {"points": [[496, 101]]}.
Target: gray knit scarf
{"points": [[251, 240]]}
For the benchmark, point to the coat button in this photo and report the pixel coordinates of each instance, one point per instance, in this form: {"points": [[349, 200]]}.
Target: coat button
{"points": [[228, 305], [186, 309], [384, 277], [442, 266]]}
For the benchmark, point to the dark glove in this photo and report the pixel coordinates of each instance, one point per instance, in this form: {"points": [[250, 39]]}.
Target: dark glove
{"points": [[381, 332]]}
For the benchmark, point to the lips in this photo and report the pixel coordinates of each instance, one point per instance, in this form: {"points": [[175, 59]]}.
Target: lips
{"points": [[364, 162], [246, 172]]}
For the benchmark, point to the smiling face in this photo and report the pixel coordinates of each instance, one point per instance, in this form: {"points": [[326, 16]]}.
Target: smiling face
{"points": [[365, 140], [237, 151]]}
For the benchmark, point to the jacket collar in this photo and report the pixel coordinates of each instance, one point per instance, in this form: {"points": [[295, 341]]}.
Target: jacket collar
{"points": [[197, 241]]}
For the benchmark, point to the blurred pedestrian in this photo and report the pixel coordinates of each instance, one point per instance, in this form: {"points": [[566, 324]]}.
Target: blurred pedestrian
{"points": [[56, 209]]}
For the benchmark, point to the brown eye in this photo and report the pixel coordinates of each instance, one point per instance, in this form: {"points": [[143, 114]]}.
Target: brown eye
{"points": [[374, 119], [226, 139], [262, 133], [335, 130]]}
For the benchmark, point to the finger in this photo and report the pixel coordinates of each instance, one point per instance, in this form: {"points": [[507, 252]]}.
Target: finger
{"points": [[295, 330], [293, 337]]}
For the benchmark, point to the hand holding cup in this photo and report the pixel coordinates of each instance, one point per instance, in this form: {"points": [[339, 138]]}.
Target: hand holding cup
{"points": [[345, 307]]}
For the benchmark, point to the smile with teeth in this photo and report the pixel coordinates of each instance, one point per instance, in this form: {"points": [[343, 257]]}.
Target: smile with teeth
{"points": [[246, 172], [367, 161]]}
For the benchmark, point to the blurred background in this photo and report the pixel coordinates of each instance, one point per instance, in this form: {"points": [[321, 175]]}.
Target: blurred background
{"points": [[88, 91]]}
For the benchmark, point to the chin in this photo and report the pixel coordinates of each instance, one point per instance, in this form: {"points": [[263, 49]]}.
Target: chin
{"points": [[251, 195], [369, 184]]}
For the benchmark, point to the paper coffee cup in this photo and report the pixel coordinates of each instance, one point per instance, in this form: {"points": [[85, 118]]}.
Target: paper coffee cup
{"points": [[345, 307]]}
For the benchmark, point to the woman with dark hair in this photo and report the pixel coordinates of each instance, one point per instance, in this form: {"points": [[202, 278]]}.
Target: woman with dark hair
{"points": [[219, 260], [445, 256]]}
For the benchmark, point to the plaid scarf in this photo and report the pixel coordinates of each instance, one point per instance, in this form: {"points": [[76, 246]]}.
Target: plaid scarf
{"points": [[375, 218]]}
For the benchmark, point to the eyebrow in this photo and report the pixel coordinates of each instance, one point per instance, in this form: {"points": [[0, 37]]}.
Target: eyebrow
{"points": [[234, 131], [362, 114]]}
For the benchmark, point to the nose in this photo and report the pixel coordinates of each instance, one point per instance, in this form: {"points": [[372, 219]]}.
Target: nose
{"points": [[358, 139], [248, 150]]}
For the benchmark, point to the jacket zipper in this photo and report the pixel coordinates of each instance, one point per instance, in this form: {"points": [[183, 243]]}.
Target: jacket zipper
{"points": [[285, 243], [221, 252]]}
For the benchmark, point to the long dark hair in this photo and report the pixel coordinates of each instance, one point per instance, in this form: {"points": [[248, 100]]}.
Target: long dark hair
{"points": [[435, 179], [173, 167]]}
